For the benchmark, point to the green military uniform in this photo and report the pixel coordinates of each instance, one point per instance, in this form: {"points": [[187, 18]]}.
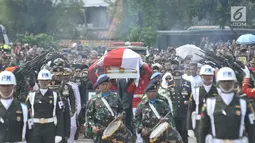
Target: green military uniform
{"points": [[146, 119], [98, 114], [229, 120]]}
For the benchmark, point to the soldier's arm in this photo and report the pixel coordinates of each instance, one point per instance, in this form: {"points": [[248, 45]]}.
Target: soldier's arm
{"points": [[77, 98], [138, 118], [72, 100], [90, 112], [167, 113], [250, 123], [250, 92], [205, 126], [60, 117]]}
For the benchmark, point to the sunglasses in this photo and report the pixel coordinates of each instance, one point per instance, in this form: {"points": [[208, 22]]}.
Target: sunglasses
{"points": [[168, 78]]}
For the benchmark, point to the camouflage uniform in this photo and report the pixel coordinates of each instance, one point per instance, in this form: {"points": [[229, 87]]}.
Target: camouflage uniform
{"points": [[98, 115], [146, 119]]}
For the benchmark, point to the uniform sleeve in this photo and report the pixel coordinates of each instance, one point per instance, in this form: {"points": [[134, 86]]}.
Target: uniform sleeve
{"points": [[72, 100], [250, 123], [90, 113], [77, 98], [166, 111], [138, 118], [250, 92], [205, 126], [59, 114]]}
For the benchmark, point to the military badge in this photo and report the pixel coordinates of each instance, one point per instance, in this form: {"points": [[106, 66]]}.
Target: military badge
{"points": [[238, 112], [18, 118], [50, 96], [65, 91], [50, 101]]}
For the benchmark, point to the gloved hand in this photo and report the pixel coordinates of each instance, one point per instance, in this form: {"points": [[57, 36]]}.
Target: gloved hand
{"points": [[247, 72], [58, 139]]}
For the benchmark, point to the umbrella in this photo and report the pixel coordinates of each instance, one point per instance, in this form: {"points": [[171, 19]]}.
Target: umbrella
{"points": [[246, 39], [187, 50]]}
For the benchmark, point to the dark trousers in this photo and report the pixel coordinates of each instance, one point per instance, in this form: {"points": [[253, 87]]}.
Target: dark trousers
{"points": [[44, 133], [181, 127]]}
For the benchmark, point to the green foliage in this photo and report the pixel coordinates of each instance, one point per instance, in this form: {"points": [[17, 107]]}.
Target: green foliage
{"points": [[42, 40], [40, 16]]}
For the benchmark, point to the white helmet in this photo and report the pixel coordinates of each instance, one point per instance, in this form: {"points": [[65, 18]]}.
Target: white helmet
{"points": [[44, 75], [7, 78], [226, 74], [206, 70], [74, 45]]}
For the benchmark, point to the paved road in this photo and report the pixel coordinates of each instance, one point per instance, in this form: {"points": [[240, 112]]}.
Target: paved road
{"points": [[191, 140]]}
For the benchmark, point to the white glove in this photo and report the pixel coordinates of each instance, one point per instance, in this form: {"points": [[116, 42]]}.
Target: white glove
{"points": [[58, 139], [247, 72]]}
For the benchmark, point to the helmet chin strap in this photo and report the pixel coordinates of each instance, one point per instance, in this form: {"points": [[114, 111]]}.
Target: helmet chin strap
{"points": [[227, 91], [4, 97]]}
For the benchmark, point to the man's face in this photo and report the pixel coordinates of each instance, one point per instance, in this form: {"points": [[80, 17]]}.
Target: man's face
{"points": [[151, 94], [104, 87], [6, 90], [208, 79], [44, 83], [77, 73], [167, 66], [227, 85], [193, 70]]}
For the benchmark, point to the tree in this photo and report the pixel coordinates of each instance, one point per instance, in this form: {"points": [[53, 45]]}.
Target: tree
{"points": [[39, 16]]}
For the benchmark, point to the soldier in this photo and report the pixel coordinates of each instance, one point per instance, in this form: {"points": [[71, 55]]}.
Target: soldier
{"points": [[81, 82], [180, 90], [67, 96], [66, 76], [150, 113], [45, 108], [13, 114], [200, 95], [226, 118], [103, 109]]}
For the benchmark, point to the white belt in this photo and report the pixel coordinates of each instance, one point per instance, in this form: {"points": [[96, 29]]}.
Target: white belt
{"points": [[44, 120], [198, 117], [227, 141]]}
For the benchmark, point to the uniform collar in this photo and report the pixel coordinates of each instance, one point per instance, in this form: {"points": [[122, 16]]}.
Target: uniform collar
{"points": [[153, 101], [105, 94]]}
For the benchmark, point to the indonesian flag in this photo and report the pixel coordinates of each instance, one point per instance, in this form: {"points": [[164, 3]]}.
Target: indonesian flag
{"points": [[119, 57]]}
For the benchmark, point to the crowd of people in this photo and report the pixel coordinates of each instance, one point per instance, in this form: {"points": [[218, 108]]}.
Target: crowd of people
{"points": [[175, 98]]}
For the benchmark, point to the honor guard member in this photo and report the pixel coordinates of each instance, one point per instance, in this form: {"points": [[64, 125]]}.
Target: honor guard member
{"points": [[226, 118], [67, 94], [13, 114], [180, 91], [67, 75], [82, 89], [150, 113], [201, 94], [103, 109], [45, 109]]}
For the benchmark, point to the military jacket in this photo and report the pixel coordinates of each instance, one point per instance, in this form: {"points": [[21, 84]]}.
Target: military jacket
{"points": [[11, 122], [97, 112], [43, 108], [145, 117], [203, 95], [180, 92], [227, 119]]}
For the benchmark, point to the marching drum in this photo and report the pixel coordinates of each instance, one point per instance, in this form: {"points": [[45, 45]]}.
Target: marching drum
{"points": [[111, 129], [158, 131]]}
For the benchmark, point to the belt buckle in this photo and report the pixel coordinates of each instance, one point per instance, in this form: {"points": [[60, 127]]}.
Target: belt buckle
{"points": [[42, 120], [228, 141]]}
